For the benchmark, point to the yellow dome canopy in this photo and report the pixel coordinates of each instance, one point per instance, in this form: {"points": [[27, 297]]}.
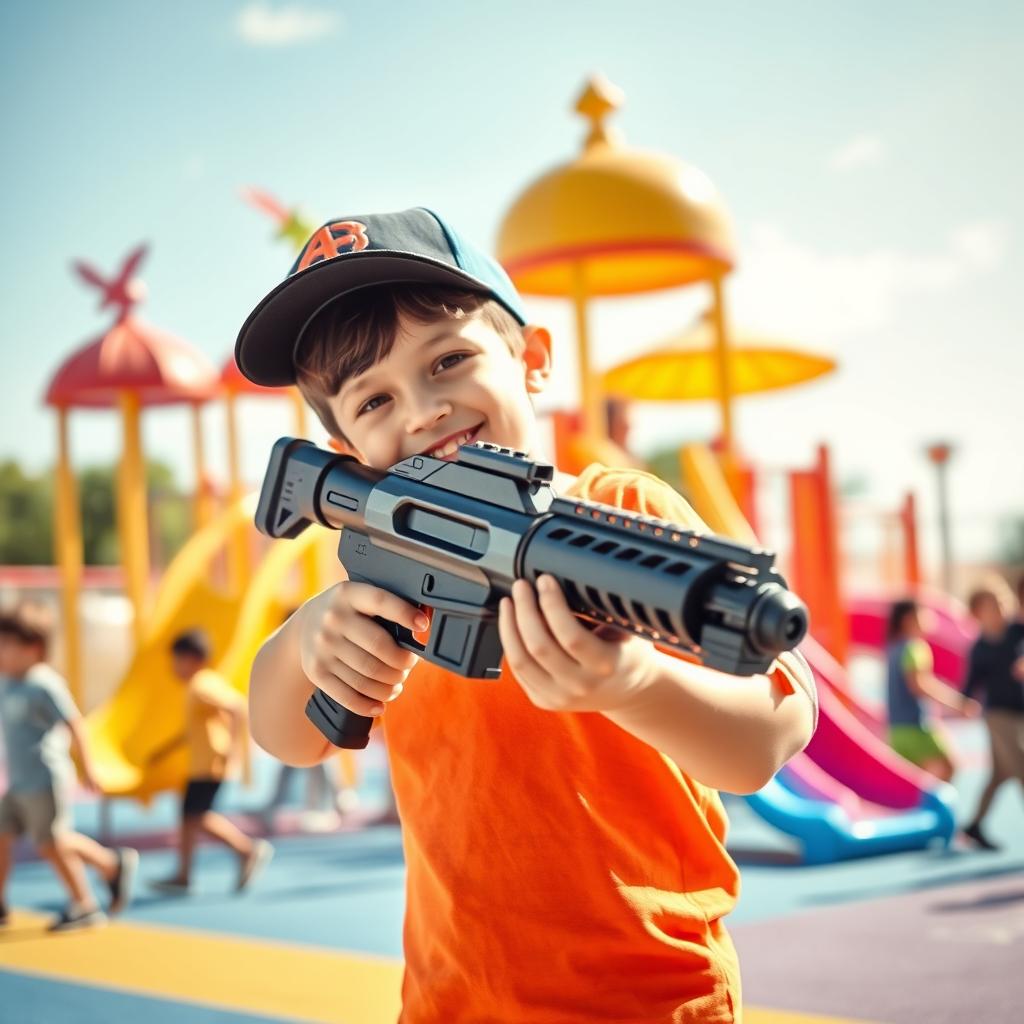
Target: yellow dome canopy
{"points": [[636, 220], [685, 368]]}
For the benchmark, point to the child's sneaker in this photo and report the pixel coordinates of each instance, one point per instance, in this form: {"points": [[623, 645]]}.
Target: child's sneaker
{"points": [[171, 886], [262, 854], [73, 917], [122, 885], [976, 836]]}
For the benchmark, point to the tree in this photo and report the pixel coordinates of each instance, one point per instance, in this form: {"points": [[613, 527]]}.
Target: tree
{"points": [[26, 514]]}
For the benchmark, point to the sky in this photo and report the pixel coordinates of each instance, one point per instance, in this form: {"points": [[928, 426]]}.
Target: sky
{"points": [[868, 152]]}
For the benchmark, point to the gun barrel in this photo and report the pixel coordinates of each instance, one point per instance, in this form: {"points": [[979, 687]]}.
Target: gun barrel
{"points": [[668, 584]]}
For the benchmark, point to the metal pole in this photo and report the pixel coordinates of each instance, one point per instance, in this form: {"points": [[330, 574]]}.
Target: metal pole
{"points": [[939, 455]]}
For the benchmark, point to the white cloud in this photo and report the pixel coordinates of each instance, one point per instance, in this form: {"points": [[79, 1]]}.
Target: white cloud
{"points": [[262, 25], [982, 244], [787, 285], [861, 151]]}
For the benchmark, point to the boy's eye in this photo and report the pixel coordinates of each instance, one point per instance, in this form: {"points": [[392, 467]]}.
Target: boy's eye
{"points": [[449, 360], [372, 403]]}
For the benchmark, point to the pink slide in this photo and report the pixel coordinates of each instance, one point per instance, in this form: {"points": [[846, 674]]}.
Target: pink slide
{"points": [[950, 637], [849, 794]]}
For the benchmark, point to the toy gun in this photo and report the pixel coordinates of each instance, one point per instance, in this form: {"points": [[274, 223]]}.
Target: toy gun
{"points": [[452, 537]]}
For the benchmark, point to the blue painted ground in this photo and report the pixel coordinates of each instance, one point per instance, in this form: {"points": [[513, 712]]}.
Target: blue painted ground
{"points": [[345, 890], [43, 1001]]}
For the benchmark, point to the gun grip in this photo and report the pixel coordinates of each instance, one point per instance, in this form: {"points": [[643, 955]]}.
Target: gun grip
{"points": [[337, 724]]}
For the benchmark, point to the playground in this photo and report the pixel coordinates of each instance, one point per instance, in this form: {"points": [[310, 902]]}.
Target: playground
{"points": [[861, 901]]}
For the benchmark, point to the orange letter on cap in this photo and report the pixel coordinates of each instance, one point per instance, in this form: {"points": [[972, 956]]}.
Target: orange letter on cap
{"points": [[333, 239]]}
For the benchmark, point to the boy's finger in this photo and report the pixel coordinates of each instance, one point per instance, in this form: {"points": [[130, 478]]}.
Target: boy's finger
{"points": [[372, 688], [378, 643], [367, 664], [372, 600], [344, 694], [536, 636], [573, 636]]}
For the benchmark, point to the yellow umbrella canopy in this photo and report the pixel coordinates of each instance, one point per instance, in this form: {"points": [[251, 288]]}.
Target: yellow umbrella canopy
{"points": [[682, 374], [685, 368]]}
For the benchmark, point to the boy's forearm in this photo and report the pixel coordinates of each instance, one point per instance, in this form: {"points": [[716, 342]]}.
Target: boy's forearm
{"points": [[941, 693], [278, 692], [728, 732], [79, 746]]}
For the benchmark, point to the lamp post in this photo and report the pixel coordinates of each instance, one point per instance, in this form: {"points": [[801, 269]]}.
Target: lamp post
{"points": [[939, 455]]}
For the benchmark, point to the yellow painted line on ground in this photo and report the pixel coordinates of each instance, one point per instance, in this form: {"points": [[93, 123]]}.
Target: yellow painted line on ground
{"points": [[229, 972], [235, 973]]}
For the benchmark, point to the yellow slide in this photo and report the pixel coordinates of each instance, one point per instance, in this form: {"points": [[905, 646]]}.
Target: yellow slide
{"points": [[137, 737]]}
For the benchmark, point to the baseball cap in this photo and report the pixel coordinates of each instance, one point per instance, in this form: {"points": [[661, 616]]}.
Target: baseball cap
{"points": [[348, 253]]}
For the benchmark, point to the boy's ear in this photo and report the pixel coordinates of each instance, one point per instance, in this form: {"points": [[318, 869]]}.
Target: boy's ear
{"points": [[537, 358]]}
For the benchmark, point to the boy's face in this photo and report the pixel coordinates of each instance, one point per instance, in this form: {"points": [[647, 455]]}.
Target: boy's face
{"points": [[16, 658], [443, 384], [989, 613], [185, 666]]}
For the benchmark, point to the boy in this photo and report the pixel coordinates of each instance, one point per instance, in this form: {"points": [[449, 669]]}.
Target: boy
{"points": [[995, 667], [564, 843], [38, 717], [214, 714], [909, 680]]}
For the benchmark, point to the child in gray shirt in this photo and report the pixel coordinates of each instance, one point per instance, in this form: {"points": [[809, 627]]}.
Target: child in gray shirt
{"points": [[39, 718]]}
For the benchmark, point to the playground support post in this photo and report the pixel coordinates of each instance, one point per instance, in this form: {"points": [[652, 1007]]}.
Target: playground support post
{"points": [[908, 524], [203, 501], [725, 390], [68, 545], [939, 455], [817, 565], [591, 405], [133, 527]]}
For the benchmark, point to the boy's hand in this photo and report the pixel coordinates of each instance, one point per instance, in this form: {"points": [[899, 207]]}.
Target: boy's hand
{"points": [[970, 708], [349, 656], [90, 780], [562, 665]]}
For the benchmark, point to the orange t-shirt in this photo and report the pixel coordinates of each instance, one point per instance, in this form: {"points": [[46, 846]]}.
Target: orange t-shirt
{"points": [[560, 871], [208, 707]]}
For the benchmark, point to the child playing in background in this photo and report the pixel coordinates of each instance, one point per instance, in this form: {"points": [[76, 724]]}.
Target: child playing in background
{"points": [[995, 668], [909, 680], [214, 719], [564, 842], [39, 717]]}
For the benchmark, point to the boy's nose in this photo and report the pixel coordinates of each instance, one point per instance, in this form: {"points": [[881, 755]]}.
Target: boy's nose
{"points": [[426, 415]]}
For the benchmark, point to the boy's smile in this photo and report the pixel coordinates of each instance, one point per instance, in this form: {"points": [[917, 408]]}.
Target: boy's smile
{"points": [[451, 382]]}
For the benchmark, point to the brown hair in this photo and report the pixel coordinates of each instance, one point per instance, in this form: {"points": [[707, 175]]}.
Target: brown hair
{"points": [[358, 330], [978, 597], [29, 623]]}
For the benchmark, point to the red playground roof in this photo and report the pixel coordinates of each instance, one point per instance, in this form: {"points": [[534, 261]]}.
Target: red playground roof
{"points": [[132, 356]]}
